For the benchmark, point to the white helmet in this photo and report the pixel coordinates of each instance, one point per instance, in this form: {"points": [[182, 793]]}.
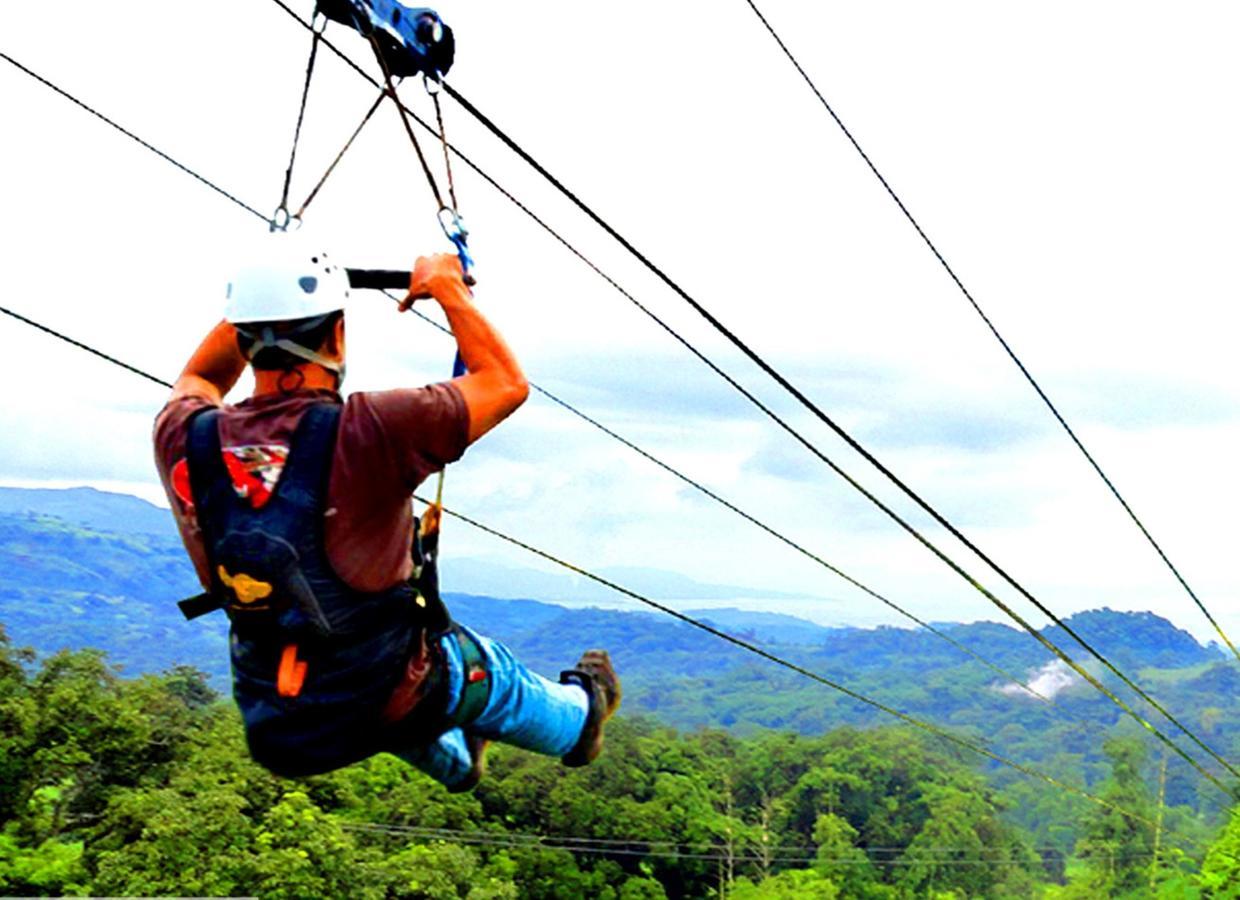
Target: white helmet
{"points": [[286, 278]]}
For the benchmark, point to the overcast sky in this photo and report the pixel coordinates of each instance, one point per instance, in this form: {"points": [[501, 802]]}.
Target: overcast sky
{"points": [[1074, 162]]}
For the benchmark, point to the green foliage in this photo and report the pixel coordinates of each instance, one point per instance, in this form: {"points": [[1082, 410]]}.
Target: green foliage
{"points": [[1220, 871], [1118, 848], [794, 884], [144, 787]]}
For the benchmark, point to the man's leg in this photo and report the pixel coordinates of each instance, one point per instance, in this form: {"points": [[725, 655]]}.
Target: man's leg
{"points": [[447, 759], [523, 708]]}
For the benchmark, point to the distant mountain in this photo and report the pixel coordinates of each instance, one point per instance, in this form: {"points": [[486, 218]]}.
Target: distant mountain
{"points": [[117, 513], [70, 584], [1135, 639], [67, 585], [770, 627]]}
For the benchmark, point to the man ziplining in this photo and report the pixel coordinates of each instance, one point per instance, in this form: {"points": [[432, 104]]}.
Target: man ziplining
{"points": [[295, 507]]}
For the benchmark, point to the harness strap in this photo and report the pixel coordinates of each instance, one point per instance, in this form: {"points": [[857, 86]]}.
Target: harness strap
{"points": [[200, 605], [476, 690], [202, 454]]}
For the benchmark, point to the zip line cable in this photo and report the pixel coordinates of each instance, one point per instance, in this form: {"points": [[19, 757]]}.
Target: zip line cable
{"points": [[723, 635], [994, 330], [742, 851], [813, 449], [822, 416], [131, 135], [711, 852], [710, 629], [89, 349], [731, 639]]}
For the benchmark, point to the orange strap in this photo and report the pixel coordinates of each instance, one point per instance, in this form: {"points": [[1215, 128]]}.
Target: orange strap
{"points": [[292, 673]]}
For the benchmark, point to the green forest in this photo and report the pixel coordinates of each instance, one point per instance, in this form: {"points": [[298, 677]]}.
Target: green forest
{"points": [[142, 786], [123, 770]]}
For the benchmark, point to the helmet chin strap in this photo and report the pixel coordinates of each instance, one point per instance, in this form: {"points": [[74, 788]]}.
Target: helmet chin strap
{"points": [[268, 339]]}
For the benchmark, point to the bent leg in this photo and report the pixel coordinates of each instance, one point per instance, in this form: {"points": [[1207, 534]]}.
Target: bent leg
{"points": [[446, 759], [523, 708]]}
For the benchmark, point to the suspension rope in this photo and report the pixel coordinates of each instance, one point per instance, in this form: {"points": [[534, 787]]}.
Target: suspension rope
{"points": [[1093, 681], [129, 134], [282, 209], [822, 416], [995, 331], [443, 139], [404, 117], [339, 156]]}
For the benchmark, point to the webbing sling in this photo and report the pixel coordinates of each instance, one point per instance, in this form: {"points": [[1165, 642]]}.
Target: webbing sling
{"points": [[476, 689]]}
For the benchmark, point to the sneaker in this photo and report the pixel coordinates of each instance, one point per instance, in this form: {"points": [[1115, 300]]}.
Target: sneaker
{"points": [[596, 676], [477, 752]]}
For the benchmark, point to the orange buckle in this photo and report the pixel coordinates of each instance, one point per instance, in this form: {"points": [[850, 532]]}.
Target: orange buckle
{"points": [[292, 673]]}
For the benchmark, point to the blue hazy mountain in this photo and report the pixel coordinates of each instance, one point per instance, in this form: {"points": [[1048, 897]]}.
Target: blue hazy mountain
{"points": [[105, 574], [91, 508]]}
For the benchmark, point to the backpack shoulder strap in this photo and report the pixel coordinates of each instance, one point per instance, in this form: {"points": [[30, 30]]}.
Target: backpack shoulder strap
{"points": [[309, 465], [202, 454]]}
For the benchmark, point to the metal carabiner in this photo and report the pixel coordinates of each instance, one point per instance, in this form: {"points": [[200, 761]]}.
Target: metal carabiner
{"points": [[280, 219], [454, 228]]}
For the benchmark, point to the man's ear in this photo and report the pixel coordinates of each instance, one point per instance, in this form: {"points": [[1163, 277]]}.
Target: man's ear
{"points": [[335, 338]]}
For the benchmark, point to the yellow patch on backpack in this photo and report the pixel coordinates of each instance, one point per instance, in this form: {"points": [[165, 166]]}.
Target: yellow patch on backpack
{"points": [[247, 590]]}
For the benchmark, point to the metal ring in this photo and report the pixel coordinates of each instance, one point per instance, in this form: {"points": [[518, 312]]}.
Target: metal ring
{"points": [[432, 83], [452, 224], [280, 219]]}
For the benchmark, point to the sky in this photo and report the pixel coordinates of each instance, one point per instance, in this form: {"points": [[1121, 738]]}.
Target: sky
{"points": [[1073, 162]]}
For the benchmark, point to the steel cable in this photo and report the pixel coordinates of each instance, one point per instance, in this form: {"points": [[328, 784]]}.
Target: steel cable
{"points": [[129, 134], [995, 331], [938, 517]]}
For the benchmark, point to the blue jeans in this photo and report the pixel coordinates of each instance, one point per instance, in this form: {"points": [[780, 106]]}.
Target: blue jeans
{"points": [[523, 709]]}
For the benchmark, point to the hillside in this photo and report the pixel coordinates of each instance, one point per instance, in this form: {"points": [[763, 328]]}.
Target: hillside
{"points": [[69, 585]]}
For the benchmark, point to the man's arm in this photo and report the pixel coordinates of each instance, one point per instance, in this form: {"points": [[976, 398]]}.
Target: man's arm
{"points": [[214, 368], [495, 384]]}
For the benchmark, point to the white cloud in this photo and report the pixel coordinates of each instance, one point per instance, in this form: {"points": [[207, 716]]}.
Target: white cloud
{"points": [[1079, 179], [1051, 679]]}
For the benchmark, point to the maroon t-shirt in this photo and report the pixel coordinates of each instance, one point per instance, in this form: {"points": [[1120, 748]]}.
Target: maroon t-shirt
{"points": [[388, 442]]}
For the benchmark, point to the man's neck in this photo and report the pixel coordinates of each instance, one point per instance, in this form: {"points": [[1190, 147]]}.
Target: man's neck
{"points": [[310, 376]]}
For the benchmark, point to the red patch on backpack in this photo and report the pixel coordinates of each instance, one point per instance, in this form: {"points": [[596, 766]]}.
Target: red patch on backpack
{"points": [[255, 471]]}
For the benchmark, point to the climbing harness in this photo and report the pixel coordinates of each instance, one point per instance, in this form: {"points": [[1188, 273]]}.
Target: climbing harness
{"points": [[315, 661]]}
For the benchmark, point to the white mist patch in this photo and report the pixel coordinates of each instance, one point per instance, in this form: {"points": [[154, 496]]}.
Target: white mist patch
{"points": [[1048, 681]]}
